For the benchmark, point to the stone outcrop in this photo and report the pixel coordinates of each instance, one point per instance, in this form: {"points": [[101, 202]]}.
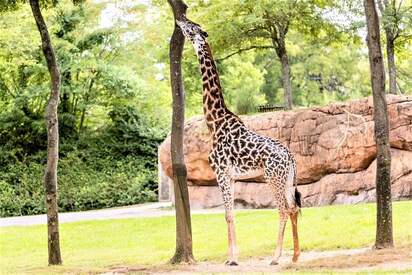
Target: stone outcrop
{"points": [[333, 145]]}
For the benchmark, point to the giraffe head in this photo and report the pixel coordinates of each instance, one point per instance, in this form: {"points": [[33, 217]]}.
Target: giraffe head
{"points": [[193, 32]]}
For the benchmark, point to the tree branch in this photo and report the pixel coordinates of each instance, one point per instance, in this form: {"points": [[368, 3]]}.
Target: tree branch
{"points": [[380, 5], [244, 50]]}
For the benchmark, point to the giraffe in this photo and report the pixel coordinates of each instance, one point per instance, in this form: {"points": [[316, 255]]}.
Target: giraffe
{"points": [[237, 151]]}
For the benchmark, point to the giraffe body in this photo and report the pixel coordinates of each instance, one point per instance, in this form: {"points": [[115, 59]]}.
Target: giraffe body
{"points": [[238, 152]]}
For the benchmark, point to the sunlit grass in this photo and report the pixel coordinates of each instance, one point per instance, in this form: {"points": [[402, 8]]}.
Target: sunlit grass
{"points": [[90, 246]]}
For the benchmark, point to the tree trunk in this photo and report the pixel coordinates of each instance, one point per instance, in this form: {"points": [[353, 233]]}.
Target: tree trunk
{"points": [[50, 178], [65, 98], [287, 85], [286, 82], [184, 252], [390, 51], [384, 237], [390, 43]]}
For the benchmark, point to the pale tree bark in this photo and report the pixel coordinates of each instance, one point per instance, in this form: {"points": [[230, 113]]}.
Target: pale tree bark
{"points": [[390, 51], [286, 77], [50, 177], [384, 236], [278, 33], [184, 252], [390, 43]]}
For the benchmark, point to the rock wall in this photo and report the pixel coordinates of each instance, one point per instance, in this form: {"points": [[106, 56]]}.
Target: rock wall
{"points": [[333, 146]]}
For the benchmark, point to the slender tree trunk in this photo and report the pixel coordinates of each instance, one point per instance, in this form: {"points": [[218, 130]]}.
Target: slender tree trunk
{"points": [[384, 237], [390, 51], [82, 116], [384, 7], [286, 77], [50, 178], [65, 98], [184, 252], [86, 101], [287, 85]]}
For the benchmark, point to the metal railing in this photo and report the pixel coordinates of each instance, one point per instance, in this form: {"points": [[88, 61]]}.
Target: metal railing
{"points": [[270, 108]]}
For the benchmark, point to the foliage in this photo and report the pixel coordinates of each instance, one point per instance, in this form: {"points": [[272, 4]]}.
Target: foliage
{"points": [[324, 42], [108, 150], [115, 166], [404, 67], [91, 246], [242, 81], [256, 24], [116, 101], [396, 16]]}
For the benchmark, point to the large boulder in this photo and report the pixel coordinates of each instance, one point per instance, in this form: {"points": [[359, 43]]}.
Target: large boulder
{"points": [[333, 145]]}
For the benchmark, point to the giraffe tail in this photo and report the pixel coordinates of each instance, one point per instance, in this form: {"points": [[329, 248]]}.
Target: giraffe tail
{"points": [[293, 196], [298, 197]]}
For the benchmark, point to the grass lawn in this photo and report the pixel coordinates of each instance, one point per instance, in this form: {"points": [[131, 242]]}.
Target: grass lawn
{"points": [[93, 245]]}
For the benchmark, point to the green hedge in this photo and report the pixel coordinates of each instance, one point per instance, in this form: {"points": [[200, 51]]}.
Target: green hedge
{"points": [[112, 166], [82, 185]]}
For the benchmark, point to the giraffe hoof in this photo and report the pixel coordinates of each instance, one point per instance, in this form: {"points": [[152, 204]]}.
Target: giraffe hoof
{"points": [[273, 262], [231, 263], [295, 259]]}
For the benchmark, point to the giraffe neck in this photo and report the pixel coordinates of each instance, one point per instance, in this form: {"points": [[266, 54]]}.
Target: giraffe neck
{"points": [[214, 107]]}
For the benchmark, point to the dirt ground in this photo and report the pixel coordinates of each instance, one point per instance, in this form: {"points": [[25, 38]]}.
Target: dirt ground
{"points": [[352, 260]]}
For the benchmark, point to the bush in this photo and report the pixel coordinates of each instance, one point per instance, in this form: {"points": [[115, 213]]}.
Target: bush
{"points": [[113, 166], [103, 184], [81, 187], [22, 190]]}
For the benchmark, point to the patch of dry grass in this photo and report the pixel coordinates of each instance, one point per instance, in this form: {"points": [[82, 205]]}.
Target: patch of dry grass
{"points": [[386, 258]]}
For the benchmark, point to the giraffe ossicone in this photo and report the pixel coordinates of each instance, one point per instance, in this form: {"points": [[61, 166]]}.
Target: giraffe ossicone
{"points": [[237, 151]]}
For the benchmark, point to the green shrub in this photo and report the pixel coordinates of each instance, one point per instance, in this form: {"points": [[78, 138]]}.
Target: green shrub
{"points": [[22, 190], [83, 185], [9, 205], [113, 166]]}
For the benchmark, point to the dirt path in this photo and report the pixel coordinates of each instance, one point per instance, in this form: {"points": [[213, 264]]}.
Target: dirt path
{"points": [[352, 260]]}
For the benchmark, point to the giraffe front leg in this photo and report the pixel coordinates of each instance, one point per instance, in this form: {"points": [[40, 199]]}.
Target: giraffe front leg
{"points": [[231, 236], [282, 224], [227, 188]]}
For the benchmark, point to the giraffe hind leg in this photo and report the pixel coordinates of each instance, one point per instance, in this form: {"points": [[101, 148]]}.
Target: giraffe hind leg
{"points": [[278, 189], [283, 218], [296, 251]]}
